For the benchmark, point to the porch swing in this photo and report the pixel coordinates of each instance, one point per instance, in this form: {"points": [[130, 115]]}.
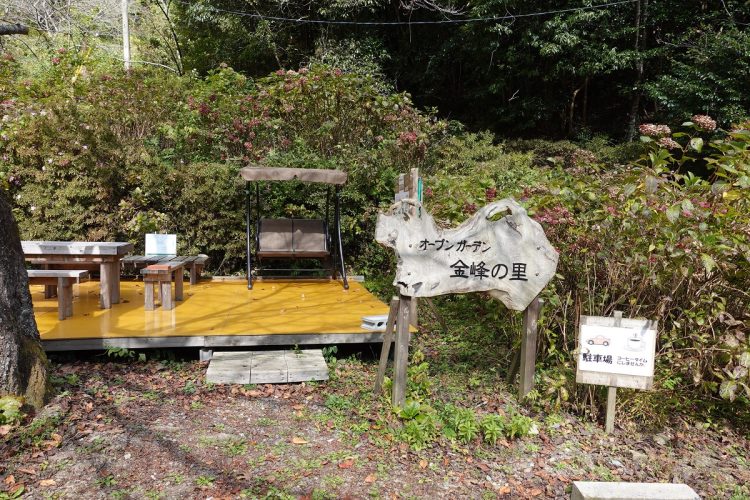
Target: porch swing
{"points": [[295, 239]]}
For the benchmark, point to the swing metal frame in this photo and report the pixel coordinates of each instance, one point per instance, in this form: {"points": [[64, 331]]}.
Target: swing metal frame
{"points": [[294, 239]]}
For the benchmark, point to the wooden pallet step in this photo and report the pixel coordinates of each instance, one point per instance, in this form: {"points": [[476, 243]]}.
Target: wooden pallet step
{"points": [[267, 367]]}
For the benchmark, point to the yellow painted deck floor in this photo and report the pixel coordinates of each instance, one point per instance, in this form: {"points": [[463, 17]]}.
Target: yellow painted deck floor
{"points": [[213, 308]]}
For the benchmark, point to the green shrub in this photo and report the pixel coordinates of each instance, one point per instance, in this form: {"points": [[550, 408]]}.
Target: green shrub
{"points": [[460, 423], [114, 155], [10, 410], [493, 427], [666, 238], [421, 424]]}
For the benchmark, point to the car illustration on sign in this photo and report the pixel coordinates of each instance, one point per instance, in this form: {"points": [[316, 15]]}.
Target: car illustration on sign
{"points": [[598, 340]]}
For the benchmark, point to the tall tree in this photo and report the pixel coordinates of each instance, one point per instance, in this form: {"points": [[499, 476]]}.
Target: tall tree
{"points": [[23, 364]]}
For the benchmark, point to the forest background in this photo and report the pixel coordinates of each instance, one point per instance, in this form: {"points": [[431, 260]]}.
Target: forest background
{"points": [[563, 105]]}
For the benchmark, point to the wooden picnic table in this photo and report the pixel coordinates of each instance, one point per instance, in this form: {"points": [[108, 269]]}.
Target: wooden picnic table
{"points": [[105, 253]]}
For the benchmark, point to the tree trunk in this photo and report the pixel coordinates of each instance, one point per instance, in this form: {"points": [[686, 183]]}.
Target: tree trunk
{"points": [[640, 41], [23, 364]]}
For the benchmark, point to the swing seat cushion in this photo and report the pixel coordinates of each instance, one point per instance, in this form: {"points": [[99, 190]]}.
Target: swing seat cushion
{"points": [[292, 238]]}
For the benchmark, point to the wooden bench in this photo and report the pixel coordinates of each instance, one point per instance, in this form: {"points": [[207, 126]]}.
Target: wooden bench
{"points": [[193, 264], [163, 275], [63, 279]]}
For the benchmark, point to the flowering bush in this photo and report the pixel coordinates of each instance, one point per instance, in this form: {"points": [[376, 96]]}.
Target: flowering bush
{"points": [[91, 152], [653, 239]]}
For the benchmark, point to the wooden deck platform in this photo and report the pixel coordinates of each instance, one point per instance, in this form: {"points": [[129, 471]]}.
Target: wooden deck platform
{"points": [[213, 314]]}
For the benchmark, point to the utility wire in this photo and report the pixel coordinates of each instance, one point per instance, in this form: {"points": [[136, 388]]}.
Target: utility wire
{"points": [[303, 20]]}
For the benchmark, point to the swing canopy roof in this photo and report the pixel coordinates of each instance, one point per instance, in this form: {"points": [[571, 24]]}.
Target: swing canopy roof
{"points": [[325, 176]]}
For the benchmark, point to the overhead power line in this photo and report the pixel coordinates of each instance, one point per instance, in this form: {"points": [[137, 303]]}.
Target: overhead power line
{"points": [[507, 17]]}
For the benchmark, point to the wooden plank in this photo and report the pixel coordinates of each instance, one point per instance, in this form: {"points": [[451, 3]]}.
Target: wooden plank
{"points": [[387, 341], [76, 247], [401, 360], [133, 259], [209, 341], [194, 273], [292, 339], [609, 425], [57, 273], [325, 176], [115, 291], [305, 365], [229, 368], [161, 267], [65, 297], [62, 305], [528, 347], [268, 367]]}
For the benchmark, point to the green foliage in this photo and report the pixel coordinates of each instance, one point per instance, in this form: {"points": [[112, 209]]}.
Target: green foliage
{"points": [[493, 427], [125, 354], [10, 410], [329, 354], [418, 377], [519, 426], [460, 423], [17, 493], [115, 155], [421, 424], [659, 239], [706, 76], [337, 403]]}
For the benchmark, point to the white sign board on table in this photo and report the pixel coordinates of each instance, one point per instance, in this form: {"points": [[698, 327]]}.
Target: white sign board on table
{"points": [[616, 356]]}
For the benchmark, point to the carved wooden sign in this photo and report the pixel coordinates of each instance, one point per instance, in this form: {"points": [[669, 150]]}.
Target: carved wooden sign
{"points": [[509, 256]]}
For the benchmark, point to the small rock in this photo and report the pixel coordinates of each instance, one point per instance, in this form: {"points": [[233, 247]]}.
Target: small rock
{"points": [[639, 456], [661, 439], [616, 463], [127, 456]]}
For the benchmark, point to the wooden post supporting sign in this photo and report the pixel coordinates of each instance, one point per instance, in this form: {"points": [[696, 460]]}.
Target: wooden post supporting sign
{"points": [[609, 424], [401, 357], [528, 346], [387, 341], [398, 316]]}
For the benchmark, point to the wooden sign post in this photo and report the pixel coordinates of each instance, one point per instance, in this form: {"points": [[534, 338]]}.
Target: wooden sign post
{"points": [[398, 319], [528, 347], [616, 352], [409, 187], [508, 257]]}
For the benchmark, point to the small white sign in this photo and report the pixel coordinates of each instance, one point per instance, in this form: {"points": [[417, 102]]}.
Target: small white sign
{"points": [[161, 244], [617, 350]]}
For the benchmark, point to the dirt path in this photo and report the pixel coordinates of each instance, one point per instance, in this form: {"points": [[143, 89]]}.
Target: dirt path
{"points": [[155, 430]]}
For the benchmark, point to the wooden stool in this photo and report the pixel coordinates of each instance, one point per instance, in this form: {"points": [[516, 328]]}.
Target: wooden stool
{"points": [[163, 274], [63, 279]]}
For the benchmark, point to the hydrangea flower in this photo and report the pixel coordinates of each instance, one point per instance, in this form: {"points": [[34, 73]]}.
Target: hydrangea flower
{"points": [[704, 122], [669, 143]]}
